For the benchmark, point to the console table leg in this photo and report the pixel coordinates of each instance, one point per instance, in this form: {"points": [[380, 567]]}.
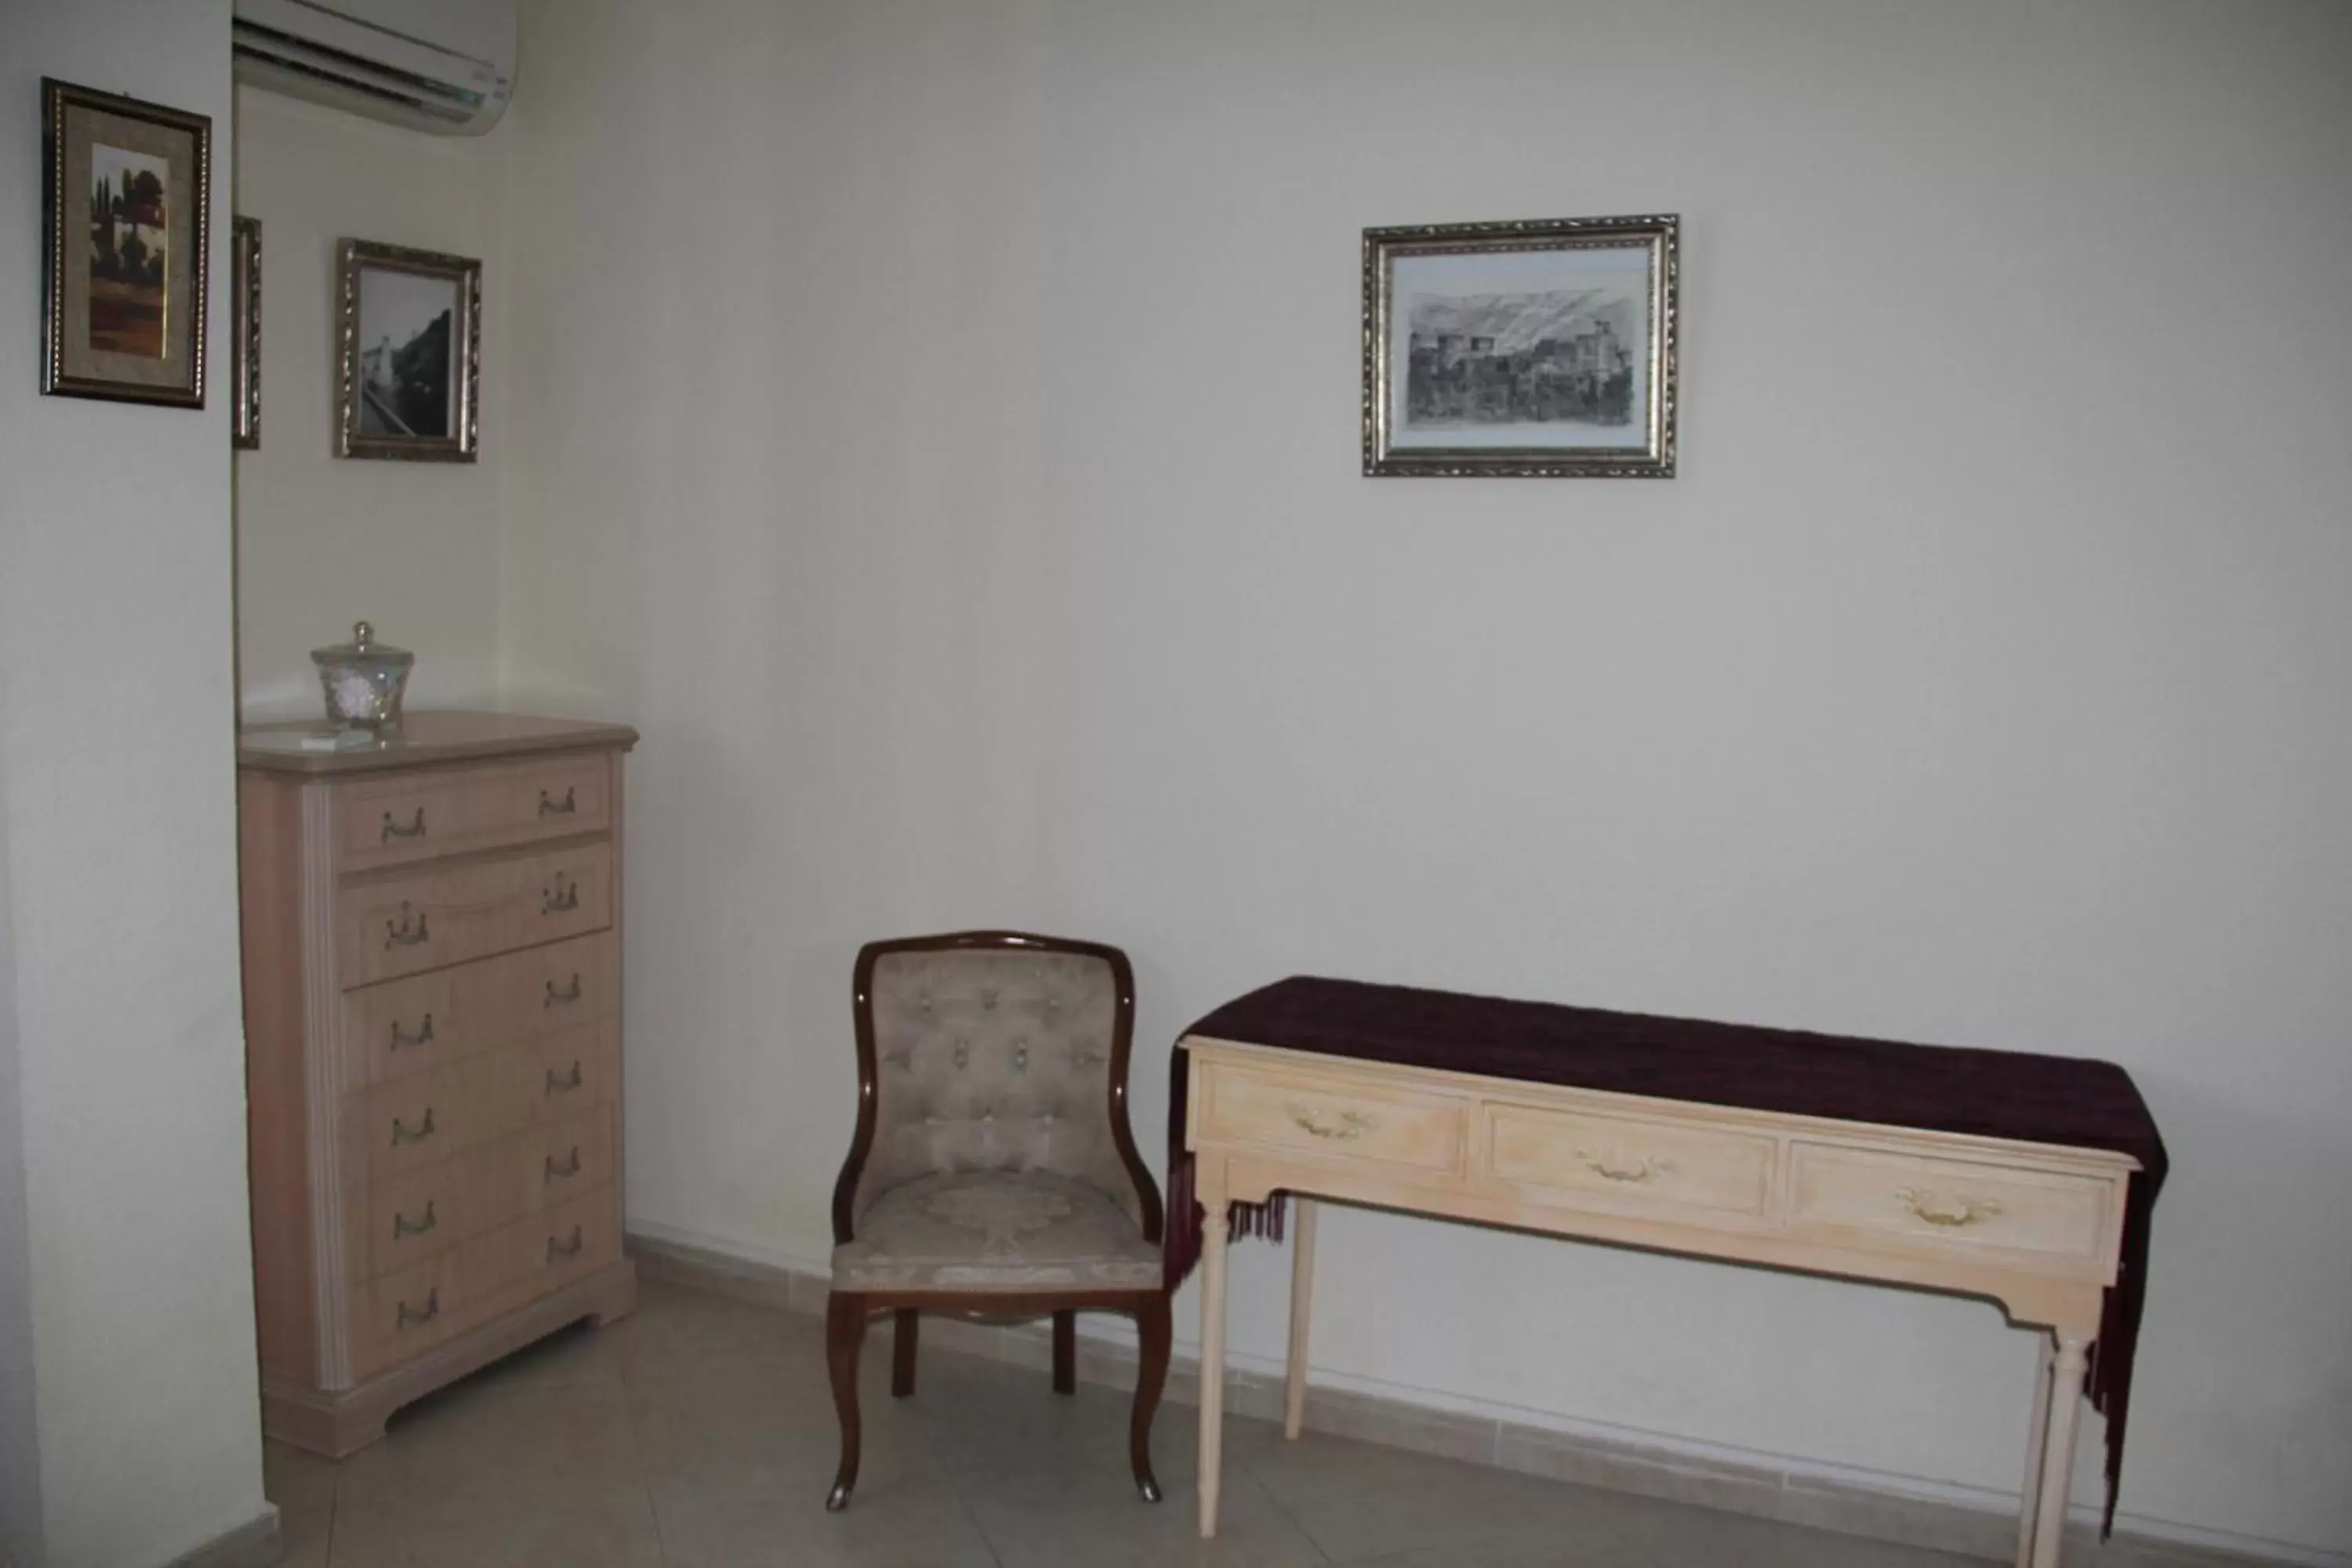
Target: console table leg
{"points": [[2058, 1450], [1302, 1298], [2037, 1437], [1213, 1351]]}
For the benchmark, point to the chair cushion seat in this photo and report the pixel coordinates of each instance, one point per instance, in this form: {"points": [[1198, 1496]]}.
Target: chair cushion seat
{"points": [[996, 1230]]}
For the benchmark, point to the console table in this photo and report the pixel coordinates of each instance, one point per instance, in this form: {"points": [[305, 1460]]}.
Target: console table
{"points": [[2038, 1227]]}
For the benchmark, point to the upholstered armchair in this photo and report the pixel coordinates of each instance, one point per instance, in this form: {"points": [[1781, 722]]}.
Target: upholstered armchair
{"points": [[993, 1175]]}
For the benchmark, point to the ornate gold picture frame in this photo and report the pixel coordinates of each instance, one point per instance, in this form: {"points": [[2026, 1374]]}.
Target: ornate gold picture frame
{"points": [[1542, 349], [244, 335], [409, 339], [127, 216]]}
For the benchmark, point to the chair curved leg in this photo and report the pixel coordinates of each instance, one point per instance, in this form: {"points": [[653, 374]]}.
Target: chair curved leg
{"points": [[1156, 1329], [1066, 1351], [902, 1351], [845, 1334]]}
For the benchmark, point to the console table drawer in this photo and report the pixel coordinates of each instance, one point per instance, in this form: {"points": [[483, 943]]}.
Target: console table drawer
{"points": [[1352, 1122], [1628, 1164], [1862, 1196]]}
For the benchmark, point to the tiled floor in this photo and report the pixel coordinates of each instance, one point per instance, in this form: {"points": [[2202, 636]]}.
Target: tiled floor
{"points": [[699, 1434]]}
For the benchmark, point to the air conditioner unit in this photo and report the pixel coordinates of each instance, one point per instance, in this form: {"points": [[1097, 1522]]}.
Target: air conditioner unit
{"points": [[444, 66]]}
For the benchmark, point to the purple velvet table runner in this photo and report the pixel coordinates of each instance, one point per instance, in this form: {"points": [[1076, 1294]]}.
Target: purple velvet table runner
{"points": [[1939, 1089]]}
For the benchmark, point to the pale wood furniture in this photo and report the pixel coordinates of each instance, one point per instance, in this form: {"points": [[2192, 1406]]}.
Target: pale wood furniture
{"points": [[2036, 1228], [432, 985], [992, 1174]]}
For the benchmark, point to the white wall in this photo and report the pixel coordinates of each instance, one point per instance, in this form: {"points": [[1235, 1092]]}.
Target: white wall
{"points": [[325, 541], [118, 951], [936, 429]]}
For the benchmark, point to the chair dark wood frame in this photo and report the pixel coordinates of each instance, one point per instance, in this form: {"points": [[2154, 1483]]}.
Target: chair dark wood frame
{"points": [[847, 1313]]}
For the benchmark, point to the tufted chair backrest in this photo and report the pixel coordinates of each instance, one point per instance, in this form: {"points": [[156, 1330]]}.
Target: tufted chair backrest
{"points": [[990, 1052]]}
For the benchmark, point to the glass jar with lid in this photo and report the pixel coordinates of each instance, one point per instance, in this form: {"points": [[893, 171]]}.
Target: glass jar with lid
{"points": [[363, 680]]}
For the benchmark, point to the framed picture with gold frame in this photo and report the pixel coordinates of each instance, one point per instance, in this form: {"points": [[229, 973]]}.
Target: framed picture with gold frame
{"points": [[408, 331], [245, 336], [1531, 349], [127, 214]]}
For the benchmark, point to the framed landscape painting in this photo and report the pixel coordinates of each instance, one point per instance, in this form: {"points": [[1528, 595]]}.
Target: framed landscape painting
{"points": [[128, 216], [409, 328], [1532, 349]]}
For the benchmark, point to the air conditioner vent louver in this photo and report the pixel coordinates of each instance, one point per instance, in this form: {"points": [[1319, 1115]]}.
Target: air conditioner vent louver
{"points": [[442, 65]]}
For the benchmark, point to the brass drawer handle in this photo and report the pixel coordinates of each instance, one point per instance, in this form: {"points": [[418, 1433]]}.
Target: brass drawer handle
{"points": [[570, 1168], [565, 1085], [408, 1317], [401, 1041], [557, 1251], [1609, 1168], [565, 897], [1351, 1125], [403, 1227], [408, 932], [393, 830], [403, 1133], [563, 808], [1951, 1213], [564, 997]]}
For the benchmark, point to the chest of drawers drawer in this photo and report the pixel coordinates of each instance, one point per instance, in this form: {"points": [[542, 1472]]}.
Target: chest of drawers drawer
{"points": [[424, 815], [450, 913], [428, 1211], [405, 1026], [401, 1315], [1349, 1122], [427, 1118]]}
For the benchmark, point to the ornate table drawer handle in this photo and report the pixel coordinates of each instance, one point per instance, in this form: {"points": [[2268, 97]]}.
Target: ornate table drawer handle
{"points": [[557, 1251], [566, 997], [1952, 1213], [1609, 1168], [565, 897], [409, 930], [403, 1133], [402, 1226], [423, 1036], [571, 1167], [1351, 1125], [564, 807], [408, 1317], [564, 1085], [393, 830]]}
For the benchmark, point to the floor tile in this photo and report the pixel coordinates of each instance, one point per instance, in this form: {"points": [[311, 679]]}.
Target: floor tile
{"points": [[1037, 1520], [583, 1532], [1360, 1499], [758, 1523], [494, 1455], [1673, 1535]]}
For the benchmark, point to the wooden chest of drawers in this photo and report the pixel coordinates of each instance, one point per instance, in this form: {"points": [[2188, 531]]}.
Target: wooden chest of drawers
{"points": [[432, 983]]}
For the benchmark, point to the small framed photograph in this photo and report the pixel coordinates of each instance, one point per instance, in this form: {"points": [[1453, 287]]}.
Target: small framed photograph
{"points": [[244, 335], [1532, 349], [128, 216], [409, 325]]}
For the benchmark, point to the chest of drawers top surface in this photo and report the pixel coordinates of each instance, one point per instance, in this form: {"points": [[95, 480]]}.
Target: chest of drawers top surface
{"points": [[436, 737]]}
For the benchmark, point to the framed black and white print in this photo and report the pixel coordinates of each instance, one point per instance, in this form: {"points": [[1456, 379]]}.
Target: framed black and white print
{"points": [[1542, 349], [128, 219], [245, 334], [409, 329]]}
